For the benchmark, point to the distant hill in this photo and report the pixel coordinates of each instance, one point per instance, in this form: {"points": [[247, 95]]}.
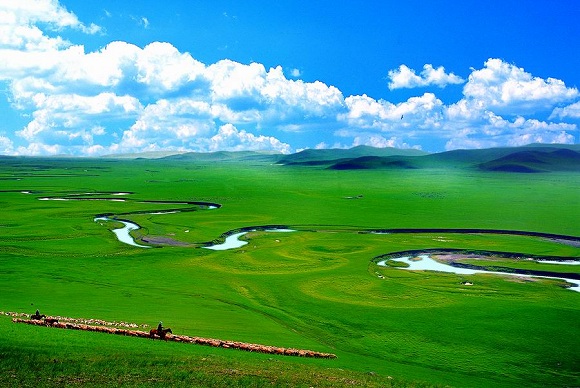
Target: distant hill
{"points": [[533, 158], [529, 159], [225, 156], [372, 162], [536, 160], [143, 155], [330, 156], [573, 147], [221, 156]]}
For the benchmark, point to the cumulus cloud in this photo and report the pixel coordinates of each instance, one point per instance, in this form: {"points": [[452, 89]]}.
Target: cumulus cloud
{"points": [[174, 100], [125, 98], [379, 141], [59, 117], [503, 87], [404, 77], [24, 13], [491, 113], [6, 145], [229, 138], [495, 131], [295, 73], [144, 22], [572, 111], [366, 112], [19, 19], [169, 124]]}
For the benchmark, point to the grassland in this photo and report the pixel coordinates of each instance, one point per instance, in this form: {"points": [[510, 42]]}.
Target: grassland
{"points": [[316, 288]]}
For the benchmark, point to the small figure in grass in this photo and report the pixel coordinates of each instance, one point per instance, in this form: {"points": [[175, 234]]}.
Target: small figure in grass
{"points": [[37, 316], [160, 331]]}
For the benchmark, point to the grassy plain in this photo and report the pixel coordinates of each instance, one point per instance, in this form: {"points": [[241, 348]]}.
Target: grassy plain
{"points": [[316, 288]]}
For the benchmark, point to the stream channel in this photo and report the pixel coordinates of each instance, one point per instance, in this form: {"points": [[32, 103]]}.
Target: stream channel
{"points": [[427, 263], [422, 262]]}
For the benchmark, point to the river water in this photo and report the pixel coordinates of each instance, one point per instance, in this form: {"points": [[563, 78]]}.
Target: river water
{"points": [[123, 234], [426, 263]]}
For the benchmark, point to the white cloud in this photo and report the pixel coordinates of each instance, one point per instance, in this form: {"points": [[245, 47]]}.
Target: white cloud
{"points": [[229, 138], [379, 141], [164, 69], [475, 121], [295, 99], [572, 111], [20, 12], [295, 73], [404, 77], [98, 130], [461, 142], [268, 96], [366, 112], [169, 124], [69, 120], [496, 132], [503, 87], [40, 149], [6, 146], [124, 98], [18, 21], [237, 83]]}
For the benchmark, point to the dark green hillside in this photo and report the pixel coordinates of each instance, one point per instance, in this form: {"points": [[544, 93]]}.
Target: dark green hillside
{"points": [[143, 155], [475, 157], [373, 162], [224, 156], [467, 158], [529, 159], [540, 160], [573, 147], [330, 156], [219, 156]]}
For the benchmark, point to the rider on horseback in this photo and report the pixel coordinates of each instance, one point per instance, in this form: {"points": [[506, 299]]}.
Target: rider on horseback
{"points": [[37, 316]]}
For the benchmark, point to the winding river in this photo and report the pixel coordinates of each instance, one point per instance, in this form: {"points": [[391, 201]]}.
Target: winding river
{"points": [[421, 262], [427, 263], [123, 234], [233, 241]]}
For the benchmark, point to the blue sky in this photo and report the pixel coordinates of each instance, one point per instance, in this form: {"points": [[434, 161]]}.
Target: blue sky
{"points": [[95, 78]]}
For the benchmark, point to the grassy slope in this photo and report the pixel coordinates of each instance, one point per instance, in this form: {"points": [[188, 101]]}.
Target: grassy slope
{"points": [[330, 155], [307, 289], [533, 158]]}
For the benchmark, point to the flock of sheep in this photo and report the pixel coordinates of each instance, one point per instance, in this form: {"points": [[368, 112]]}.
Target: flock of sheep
{"points": [[67, 324]]}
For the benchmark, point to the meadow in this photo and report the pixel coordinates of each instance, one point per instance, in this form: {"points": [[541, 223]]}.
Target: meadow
{"points": [[315, 288]]}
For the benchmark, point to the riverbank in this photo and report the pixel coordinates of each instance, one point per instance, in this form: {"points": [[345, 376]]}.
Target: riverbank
{"points": [[450, 261]]}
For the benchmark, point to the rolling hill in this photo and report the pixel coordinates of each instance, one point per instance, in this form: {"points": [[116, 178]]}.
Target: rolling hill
{"points": [[372, 162], [529, 159], [226, 156], [536, 160], [330, 156], [533, 158]]}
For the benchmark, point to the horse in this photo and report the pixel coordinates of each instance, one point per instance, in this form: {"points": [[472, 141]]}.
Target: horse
{"points": [[161, 334], [37, 316]]}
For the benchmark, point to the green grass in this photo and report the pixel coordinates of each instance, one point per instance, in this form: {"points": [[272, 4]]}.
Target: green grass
{"points": [[316, 288], [50, 357]]}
